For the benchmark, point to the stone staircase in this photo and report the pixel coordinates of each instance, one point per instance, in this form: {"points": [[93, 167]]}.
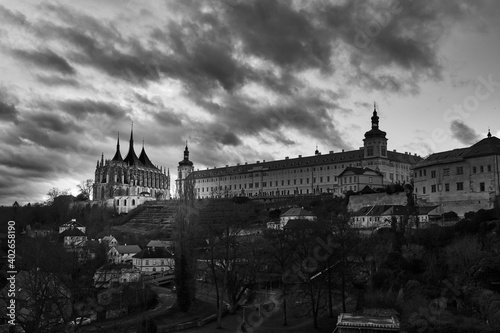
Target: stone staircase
{"points": [[154, 215]]}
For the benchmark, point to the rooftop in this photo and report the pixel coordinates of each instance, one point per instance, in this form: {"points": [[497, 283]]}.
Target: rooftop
{"points": [[485, 147], [297, 212], [389, 323], [127, 249], [307, 161], [148, 253]]}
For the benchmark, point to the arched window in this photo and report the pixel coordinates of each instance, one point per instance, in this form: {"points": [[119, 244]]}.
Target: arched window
{"points": [[133, 202]]}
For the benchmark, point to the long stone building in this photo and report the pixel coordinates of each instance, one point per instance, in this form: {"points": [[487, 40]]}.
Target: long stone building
{"points": [[314, 174], [461, 180], [128, 182]]}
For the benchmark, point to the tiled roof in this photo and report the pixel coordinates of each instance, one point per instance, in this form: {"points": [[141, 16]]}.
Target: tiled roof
{"points": [[449, 156], [485, 147], [160, 243], [148, 253], [72, 223], [127, 249], [358, 171], [307, 161], [379, 210], [300, 224], [297, 212], [72, 232]]}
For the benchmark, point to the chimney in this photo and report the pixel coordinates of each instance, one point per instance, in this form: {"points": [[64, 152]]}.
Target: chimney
{"points": [[394, 150], [286, 157], [342, 150], [331, 151], [258, 162], [300, 156], [237, 164], [263, 161], [246, 163], [227, 165]]}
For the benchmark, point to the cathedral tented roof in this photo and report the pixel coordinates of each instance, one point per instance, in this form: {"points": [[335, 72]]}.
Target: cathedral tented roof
{"points": [[132, 158], [118, 156], [145, 159]]}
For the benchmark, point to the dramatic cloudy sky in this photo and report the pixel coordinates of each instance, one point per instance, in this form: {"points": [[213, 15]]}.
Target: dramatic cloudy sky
{"points": [[240, 80]]}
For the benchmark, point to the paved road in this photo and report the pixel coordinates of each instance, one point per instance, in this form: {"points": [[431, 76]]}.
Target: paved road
{"points": [[129, 323]]}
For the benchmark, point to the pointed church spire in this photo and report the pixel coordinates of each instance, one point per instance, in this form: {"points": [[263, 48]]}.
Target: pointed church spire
{"points": [[102, 159], [118, 155], [132, 158]]}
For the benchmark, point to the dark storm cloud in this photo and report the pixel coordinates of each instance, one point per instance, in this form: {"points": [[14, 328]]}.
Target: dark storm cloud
{"points": [[54, 80], [8, 112], [83, 108], [11, 17], [57, 123], [230, 139], [144, 99], [45, 59], [463, 133], [167, 118], [277, 32]]}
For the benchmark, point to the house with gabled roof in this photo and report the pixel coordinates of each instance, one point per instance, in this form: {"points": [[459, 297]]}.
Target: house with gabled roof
{"points": [[110, 241], [119, 254], [166, 244], [155, 260], [71, 224], [357, 179], [378, 216], [291, 214]]}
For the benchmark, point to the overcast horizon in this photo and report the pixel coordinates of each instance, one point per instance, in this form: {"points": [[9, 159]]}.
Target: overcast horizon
{"points": [[239, 80]]}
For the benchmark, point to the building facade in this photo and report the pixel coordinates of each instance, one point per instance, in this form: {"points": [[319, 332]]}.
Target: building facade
{"points": [[302, 175], [355, 179], [120, 254], [131, 176], [154, 260], [461, 180]]}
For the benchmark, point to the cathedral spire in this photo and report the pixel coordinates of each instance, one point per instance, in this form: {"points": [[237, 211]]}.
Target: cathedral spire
{"points": [[118, 155], [132, 158]]}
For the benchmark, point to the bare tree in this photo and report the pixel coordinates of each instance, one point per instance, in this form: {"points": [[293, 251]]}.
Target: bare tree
{"points": [[54, 193], [281, 254], [222, 221], [185, 237], [85, 188]]}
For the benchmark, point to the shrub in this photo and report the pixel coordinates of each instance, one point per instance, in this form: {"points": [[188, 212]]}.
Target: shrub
{"points": [[450, 216], [381, 279], [483, 215]]}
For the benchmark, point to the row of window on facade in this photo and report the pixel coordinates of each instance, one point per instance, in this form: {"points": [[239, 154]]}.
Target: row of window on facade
{"points": [[458, 171], [264, 174], [274, 193], [124, 202], [459, 187]]}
